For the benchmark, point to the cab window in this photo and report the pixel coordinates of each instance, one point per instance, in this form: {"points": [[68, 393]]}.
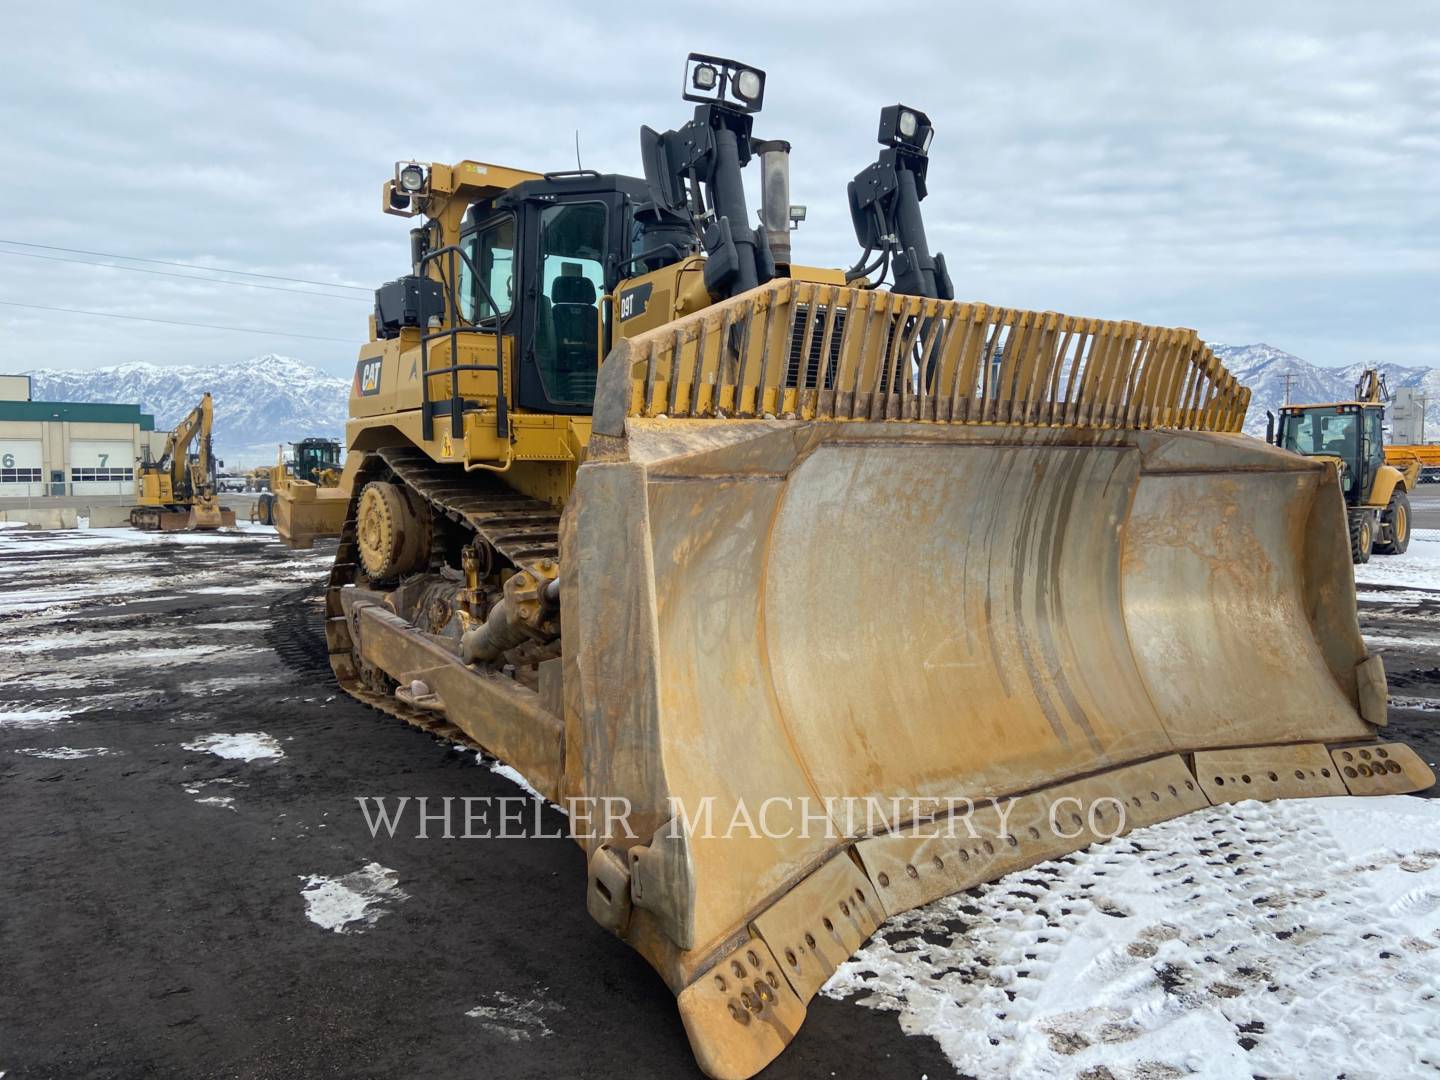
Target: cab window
{"points": [[1374, 444], [492, 251], [572, 280], [1321, 431]]}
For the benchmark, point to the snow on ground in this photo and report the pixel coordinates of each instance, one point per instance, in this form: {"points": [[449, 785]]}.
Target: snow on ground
{"points": [[242, 746], [509, 772], [34, 541], [197, 787], [1401, 701], [32, 718], [30, 561], [361, 898], [513, 1018], [1296, 938], [1418, 568], [66, 753]]}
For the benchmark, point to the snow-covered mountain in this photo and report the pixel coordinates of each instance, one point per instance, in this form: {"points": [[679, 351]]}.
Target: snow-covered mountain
{"points": [[258, 402], [272, 399], [1263, 368]]}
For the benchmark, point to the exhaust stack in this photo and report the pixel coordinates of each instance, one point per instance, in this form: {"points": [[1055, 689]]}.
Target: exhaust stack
{"points": [[775, 196]]}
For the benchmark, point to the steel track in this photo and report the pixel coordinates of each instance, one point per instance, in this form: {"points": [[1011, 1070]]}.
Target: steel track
{"points": [[521, 529]]}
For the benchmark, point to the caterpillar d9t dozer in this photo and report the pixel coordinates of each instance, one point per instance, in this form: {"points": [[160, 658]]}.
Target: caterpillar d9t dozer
{"points": [[801, 547], [178, 492]]}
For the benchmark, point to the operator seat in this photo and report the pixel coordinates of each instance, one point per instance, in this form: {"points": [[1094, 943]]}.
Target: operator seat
{"points": [[577, 336]]}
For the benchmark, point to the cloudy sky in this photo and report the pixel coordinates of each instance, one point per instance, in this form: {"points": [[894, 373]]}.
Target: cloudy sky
{"points": [[1258, 171]]}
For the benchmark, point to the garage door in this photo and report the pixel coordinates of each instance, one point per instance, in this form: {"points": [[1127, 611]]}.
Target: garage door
{"points": [[102, 467], [20, 468]]}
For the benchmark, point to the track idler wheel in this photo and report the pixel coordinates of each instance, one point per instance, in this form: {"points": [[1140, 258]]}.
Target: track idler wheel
{"points": [[393, 528]]}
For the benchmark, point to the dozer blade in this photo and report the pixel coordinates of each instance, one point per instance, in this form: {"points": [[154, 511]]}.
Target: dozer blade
{"points": [[816, 604], [305, 512]]}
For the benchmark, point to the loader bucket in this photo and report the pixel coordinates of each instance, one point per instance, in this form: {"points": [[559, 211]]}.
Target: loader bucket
{"points": [[207, 514], [842, 566], [202, 516]]}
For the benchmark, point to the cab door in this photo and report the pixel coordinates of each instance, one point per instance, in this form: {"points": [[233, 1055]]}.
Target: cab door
{"points": [[571, 266], [1372, 450]]}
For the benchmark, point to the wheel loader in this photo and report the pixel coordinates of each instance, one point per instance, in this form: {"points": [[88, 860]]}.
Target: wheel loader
{"points": [[307, 500], [1346, 435], [178, 492], [669, 521]]}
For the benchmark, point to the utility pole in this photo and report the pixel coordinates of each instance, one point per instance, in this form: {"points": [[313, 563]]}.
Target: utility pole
{"points": [[1289, 377]]}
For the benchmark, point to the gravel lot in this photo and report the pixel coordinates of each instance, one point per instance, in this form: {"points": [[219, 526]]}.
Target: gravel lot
{"points": [[191, 890]]}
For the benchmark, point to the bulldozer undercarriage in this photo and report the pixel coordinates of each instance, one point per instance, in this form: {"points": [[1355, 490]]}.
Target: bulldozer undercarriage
{"points": [[418, 512]]}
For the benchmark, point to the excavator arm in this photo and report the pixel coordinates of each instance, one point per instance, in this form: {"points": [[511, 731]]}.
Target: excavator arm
{"points": [[191, 501], [185, 476]]}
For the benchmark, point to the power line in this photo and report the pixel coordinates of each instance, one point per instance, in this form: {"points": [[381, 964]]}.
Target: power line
{"points": [[185, 277], [187, 266], [176, 322]]}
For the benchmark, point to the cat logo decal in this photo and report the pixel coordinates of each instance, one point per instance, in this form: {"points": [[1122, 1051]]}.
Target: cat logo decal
{"points": [[367, 377]]}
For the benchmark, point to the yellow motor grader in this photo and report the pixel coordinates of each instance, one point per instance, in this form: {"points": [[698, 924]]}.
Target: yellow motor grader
{"points": [[178, 492], [308, 498], [671, 522]]}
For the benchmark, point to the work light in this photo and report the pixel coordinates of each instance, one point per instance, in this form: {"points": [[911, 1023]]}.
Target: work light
{"points": [[715, 80], [411, 177], [748, 84], [903, 126]]}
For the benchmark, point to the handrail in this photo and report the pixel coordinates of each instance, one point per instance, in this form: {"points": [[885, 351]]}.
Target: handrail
{"points": [[455, 329]]}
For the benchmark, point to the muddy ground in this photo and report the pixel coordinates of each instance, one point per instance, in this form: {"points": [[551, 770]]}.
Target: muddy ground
{"points": [[147, 933]]}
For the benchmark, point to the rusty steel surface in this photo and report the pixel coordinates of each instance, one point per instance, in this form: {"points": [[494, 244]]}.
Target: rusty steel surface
{"points": [[777, 612], [824, 351], [1268, 772], [918, 864], [1381, 769], [833, 611]]}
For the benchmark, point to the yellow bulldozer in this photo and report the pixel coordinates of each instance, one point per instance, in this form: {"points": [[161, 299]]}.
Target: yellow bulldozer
{"points": [[749, 549], [1347, 436], [307, 499], [178, 492]]}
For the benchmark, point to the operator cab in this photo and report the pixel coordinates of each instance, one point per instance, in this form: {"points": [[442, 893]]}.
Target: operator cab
{"points": [[1349, 431], [576, 236], [314, 456]]}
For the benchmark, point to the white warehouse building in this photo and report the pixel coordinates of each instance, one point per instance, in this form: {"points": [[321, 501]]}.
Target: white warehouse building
{"points": [[62, 448]]}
